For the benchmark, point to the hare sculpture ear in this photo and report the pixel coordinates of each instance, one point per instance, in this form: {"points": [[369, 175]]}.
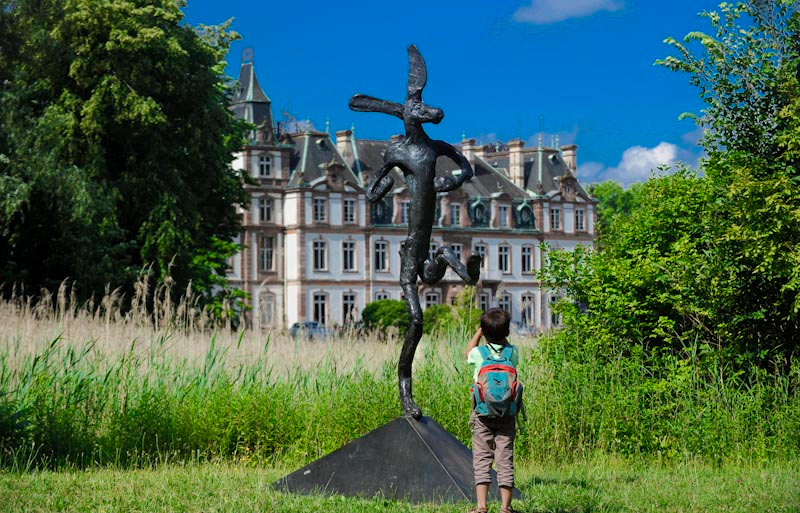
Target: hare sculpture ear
{"points": [[364, 103], [417, 73]]}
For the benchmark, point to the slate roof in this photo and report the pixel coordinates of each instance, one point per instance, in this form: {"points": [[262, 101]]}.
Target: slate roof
{"points": [[250, 103], [553, 168], [310, 151], [487, 181]]}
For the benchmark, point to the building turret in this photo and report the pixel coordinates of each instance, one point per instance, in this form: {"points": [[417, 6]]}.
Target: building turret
{"points": [[250, 103]]}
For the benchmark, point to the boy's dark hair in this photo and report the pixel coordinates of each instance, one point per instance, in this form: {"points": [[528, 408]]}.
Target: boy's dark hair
{"points": [[495, 323]]}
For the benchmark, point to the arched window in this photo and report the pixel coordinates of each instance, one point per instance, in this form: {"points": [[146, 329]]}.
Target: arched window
{"points": [[266, 309]]}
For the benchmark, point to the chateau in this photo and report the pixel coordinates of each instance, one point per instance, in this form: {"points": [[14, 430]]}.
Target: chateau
{"points": [[316, 250]]}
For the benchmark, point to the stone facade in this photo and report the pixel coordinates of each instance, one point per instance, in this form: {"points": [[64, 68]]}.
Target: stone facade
{"points": [[316, 250]]}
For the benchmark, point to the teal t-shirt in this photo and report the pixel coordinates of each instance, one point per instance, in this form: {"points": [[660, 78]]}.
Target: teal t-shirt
{"points": [[475, 358]]}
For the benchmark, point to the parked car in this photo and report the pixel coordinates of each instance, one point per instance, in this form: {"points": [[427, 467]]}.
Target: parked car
{"points": [[310, 329], [523, 330]]}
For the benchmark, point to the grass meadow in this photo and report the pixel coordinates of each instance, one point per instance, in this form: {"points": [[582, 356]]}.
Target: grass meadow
{"points": [[108, 411]]}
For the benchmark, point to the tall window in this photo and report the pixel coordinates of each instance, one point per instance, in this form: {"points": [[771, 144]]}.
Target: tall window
{"points": [[264, 166], [555, 218], [320, 210], [480, 249], [320, 251], [266, 253], [348, 255], [502, 216], [267, 308], [320, 307], [431, 298], [265, 210], [527, 259], [504, 302], [349, 312], [503, 258], [403, 212], [579, 219], [432, 250], [484, 301], [381, 294], [555, 320], [528, 303], [457, 249], [455, 214], [349, 211], [381, 255]]}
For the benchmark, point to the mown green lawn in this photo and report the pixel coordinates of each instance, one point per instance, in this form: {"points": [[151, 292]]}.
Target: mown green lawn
{"points": [[607, 485]]}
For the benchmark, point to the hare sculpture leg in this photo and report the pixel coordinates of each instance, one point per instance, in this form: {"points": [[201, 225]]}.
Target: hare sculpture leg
{"points": [[433, 270], [408, 281]]}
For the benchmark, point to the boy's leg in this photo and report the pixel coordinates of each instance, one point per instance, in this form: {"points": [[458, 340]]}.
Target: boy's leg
{"points": [[482, 456], [504, 455]]}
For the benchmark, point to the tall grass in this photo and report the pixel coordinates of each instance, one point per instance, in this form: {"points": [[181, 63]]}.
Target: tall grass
{"points": [[79, 388]]}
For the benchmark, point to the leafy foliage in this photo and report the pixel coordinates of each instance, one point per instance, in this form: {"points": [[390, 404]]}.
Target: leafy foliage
{"points": [[386, 313], [714, 258], [614, 200], [116, 145]]}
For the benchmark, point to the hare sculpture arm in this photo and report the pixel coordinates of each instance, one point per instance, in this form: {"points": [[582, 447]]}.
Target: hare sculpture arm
{"points": [[380, 184], [448, 183]]}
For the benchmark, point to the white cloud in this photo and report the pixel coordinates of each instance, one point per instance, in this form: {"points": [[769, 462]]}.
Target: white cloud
{"points": [[543, 12], [590, 171], [638, 162]]}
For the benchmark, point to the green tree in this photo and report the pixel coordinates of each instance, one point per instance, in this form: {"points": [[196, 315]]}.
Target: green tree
{"points": [[614, 200], [746, 71], [116, 145], [716, 257]]}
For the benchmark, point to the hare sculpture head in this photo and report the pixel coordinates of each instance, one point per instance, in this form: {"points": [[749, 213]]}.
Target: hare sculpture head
{"points": [[413, 112]]}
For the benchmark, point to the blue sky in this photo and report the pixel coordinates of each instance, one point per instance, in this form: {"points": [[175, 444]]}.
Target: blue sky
{"points": [[584, 66]]}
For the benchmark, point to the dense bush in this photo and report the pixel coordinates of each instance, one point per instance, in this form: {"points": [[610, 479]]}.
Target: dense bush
{"points": [[437, 318], [386, 313]]}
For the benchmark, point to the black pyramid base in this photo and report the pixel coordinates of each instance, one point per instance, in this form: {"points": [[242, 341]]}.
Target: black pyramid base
{"points": [[407, 459]]}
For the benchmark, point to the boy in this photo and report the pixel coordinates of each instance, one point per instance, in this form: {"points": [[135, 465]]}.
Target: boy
{"points": [[492, 438]]}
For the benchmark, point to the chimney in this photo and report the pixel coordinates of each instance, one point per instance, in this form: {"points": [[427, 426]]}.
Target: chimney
{"points": [[570, 155], [516, 162], [468, 148], [344, 143]]}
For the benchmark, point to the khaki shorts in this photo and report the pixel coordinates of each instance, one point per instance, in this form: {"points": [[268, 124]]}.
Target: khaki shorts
{"points": [[492, 439]]}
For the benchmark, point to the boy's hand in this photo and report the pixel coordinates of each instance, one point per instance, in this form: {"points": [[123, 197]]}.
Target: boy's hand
{"points": [[476, 339]]}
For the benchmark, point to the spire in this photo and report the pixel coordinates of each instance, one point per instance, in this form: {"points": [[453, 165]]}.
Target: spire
{"points": [[249, 102], [541, 148], [541, 132], [327, 125], [356, 160]]}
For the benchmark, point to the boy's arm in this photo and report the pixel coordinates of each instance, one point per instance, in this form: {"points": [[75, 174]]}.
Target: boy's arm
{"points": [[476, 339]]}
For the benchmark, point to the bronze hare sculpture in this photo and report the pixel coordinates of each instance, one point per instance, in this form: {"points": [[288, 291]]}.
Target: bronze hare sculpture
{"points": [[415, 155]]}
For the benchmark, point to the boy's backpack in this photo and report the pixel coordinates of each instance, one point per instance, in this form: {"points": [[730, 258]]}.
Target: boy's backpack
{"points": [[497, 393]]}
